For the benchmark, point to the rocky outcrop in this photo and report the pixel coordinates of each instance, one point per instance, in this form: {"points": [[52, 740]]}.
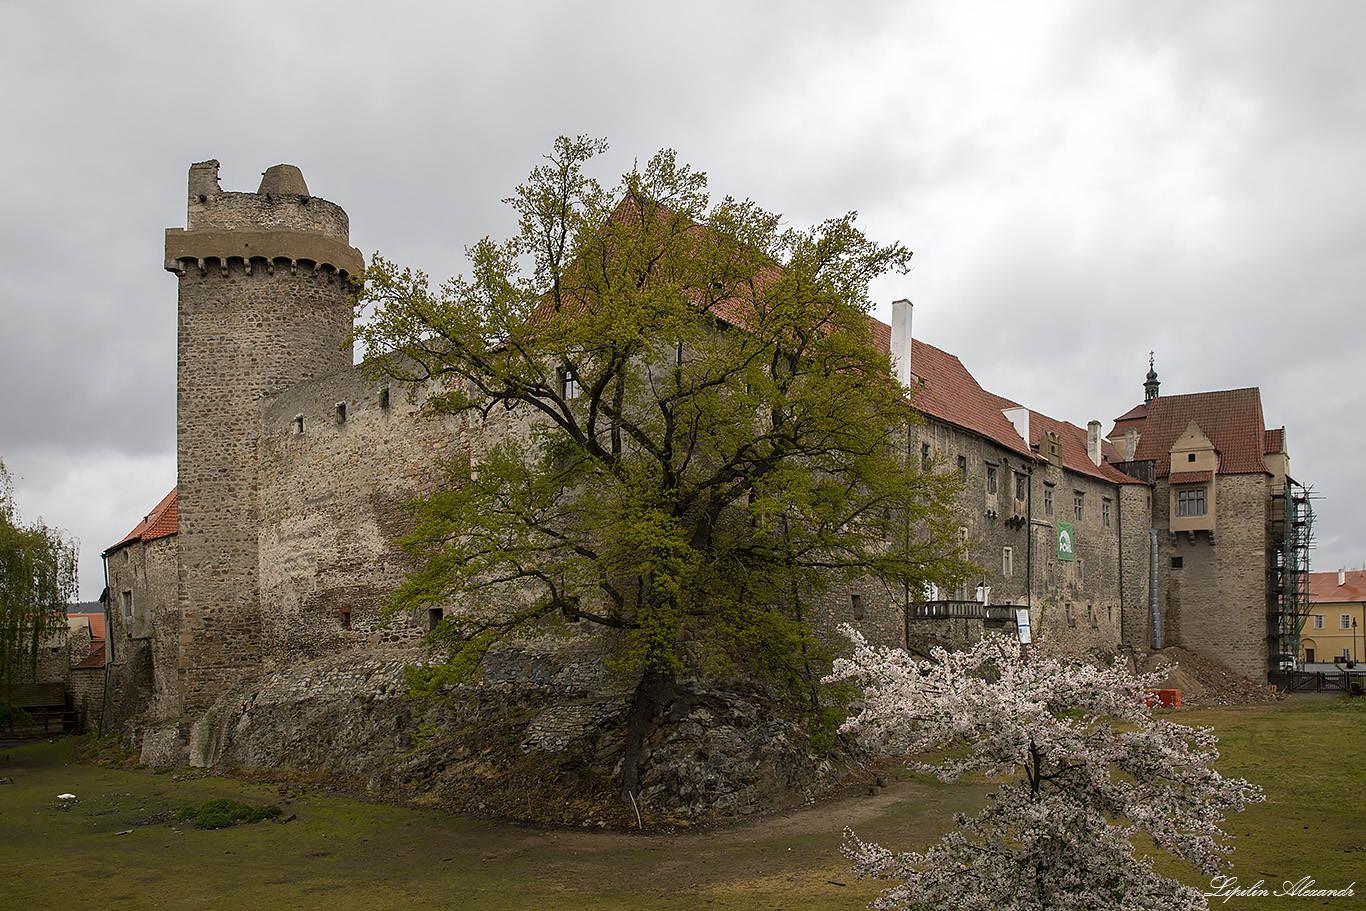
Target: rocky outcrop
{"points": [[537, 739]]}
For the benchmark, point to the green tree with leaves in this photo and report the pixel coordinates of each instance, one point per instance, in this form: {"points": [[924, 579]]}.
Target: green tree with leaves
{"points": [[709, 434], [37, 581]]}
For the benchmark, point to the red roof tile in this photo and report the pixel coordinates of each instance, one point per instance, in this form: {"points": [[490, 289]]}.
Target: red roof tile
{"points": [[1232, 419], [1191, 477], [159, 523], [1324, 589], [96, 622], [1075, 456], [944, 390], [95, 661], [1275, 441], [951, 394]]}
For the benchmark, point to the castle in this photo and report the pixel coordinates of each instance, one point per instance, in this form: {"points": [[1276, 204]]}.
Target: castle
{"points": [[256, 584]]}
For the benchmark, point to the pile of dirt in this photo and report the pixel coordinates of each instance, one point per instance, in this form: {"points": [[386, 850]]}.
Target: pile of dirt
{"points": [[1203, 680]]}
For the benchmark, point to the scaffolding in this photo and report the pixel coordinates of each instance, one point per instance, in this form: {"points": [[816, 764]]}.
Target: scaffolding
{"points": [[1292, 532]]}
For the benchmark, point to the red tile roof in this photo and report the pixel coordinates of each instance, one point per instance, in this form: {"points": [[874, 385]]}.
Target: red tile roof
{"points": [[1191, 477], [159, 523], [951, 394], [95, 621], [95, 661], [947, 392], [1075, 456], [1324, 588], [1232, 419], [1134, 417], [1275, 441]]}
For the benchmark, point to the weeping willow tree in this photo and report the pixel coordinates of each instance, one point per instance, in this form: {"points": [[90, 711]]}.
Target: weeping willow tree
{"points": [[37, 581], [716, 436]]}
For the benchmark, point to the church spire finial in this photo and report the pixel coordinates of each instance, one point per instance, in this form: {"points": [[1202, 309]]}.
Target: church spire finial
{"points": [[1150, 384]]}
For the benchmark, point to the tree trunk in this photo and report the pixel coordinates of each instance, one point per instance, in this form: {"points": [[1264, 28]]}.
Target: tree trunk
{"points": [[652, 694]]}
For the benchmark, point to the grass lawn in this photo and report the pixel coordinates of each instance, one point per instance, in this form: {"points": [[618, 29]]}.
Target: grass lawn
{"points": [[117, 845]]}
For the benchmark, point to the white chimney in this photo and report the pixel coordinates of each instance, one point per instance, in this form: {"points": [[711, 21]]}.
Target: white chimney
{"points": [[1342, 577], [1019, 417], [1130, 443], [901, 341], [1093, 442]]}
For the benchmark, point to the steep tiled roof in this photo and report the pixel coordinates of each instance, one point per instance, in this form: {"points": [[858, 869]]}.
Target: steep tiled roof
{"points": [[1132, 418], [1074, 453], [159, 523], [94, 621], [1275, 441], [1232, 419], [948, 392], [1324, 588], [94, 662]]}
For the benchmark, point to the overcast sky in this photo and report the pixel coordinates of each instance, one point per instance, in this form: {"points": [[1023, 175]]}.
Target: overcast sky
{"points": [[1081, 182]]}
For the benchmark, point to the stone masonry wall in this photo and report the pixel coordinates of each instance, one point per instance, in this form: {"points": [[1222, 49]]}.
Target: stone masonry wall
{"points": [[1136, 520], [332, 510], [1215, 602], [144, 656], [1075, 607]]}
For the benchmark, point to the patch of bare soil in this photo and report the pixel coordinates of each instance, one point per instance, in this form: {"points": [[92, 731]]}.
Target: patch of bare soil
{"points": [[1203, 680]]}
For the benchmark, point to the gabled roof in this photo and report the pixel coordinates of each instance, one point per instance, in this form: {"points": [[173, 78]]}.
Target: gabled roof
{"points": [[159, 523], [1232, 419], [1323, 588]]}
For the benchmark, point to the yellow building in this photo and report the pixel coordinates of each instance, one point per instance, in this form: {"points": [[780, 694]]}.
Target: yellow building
{"points": [[1335, 627]]}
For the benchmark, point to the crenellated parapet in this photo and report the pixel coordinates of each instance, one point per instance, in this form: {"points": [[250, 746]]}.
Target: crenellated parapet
{"points": [[279, 226]]}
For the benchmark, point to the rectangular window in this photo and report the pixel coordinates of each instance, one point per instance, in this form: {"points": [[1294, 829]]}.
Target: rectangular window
{"points": [[1190, 502], [1007, 562], [1105, 517], [434, 617], [1079, 563], [569, 384], [1020, 489], [991, 479], [924, 456], [1047, 500], [963, 467], [1345, 622], [1318, 621], [128, 604], [1078, 505], [856, 602], [1178, 562]]}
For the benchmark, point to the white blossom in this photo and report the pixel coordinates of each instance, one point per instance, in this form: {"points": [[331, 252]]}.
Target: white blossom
{"points": [[1083, 768]]}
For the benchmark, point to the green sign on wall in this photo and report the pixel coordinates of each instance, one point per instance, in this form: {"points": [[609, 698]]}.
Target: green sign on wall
{"points": [[1065, 541]]}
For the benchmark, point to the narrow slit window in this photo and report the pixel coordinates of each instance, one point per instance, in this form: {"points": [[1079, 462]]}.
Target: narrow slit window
{"points": [[341, 412]]}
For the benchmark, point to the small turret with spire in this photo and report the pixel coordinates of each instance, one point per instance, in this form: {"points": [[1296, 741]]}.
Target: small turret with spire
{"points": [[1150, 384]]}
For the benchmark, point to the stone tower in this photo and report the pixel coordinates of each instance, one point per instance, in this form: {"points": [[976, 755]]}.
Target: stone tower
{"points": [[264, 305]]}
